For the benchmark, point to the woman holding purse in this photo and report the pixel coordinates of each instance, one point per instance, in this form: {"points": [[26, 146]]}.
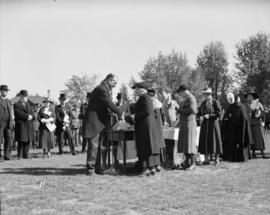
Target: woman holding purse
{"points": [[46, 117]]}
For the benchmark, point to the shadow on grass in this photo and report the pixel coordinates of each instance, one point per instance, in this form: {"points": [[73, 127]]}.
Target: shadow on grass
{"points": [[43, 171]]}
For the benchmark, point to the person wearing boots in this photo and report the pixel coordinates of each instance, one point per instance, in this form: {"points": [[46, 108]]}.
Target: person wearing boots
{"points": [[24, 129], [63, 125], [188, 125], [5, 121]]}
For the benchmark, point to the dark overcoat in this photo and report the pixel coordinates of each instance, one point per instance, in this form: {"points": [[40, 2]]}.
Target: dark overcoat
{"points": [[24, 129], [236, 135], [210, 135], [59, 119], [2, 112], [99, 110], [145, 128]]}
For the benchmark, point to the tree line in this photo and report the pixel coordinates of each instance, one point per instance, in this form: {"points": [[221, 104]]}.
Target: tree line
{"points": [[251, 71]]}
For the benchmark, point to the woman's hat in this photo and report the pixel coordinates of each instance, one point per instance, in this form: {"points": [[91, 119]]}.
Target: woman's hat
{"points": [[63, 96], [4, 88], [255, 95], [23, 93], [207, 90], [47, 99], [141, 85]]}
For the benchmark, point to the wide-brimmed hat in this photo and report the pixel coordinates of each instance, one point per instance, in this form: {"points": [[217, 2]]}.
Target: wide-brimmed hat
{"points": [[47, 99], [4, 87], [23, 93], [63, 96], [207, 90], [141, 85], [255, 95]]}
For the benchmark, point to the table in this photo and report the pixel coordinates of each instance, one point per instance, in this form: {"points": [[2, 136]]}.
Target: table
{"points": [[120, 136]]}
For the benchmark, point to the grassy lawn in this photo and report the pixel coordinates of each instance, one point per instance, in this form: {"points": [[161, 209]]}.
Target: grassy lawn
{"points": [[59, 186]]}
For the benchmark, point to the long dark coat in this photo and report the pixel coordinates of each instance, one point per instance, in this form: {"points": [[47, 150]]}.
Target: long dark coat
{"points": [[99, 110], [236, 135], [59, 119], [210, 135], [2, 112], [188, 125], [145, 128], [24, 129]]}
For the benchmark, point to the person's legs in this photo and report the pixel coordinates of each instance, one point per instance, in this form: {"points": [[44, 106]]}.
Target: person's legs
{"points": [[7, 143], [192, 165], [1, 138], [26, 147], [84, 143], [60, 138], [70, 141]]}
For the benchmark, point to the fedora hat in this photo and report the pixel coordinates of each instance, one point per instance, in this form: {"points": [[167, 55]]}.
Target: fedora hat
{"points": [[23, 93], [207, 90], [4, 87], [63, 96], [47, 99]]}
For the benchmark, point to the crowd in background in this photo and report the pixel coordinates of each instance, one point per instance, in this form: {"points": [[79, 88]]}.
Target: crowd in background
{"points": [[229, 134]]}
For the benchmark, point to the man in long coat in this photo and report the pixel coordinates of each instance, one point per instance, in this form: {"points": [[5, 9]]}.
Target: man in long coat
{"points": [[63, 125], [5, 122], [24, 129], [97, 117]]}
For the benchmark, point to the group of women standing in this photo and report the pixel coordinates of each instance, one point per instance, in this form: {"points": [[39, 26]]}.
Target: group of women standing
{"points": [[241, 128]]}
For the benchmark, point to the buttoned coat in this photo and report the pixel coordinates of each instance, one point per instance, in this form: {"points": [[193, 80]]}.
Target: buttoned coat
{"points": [[98, 111], [24, 129], [9, 123]]}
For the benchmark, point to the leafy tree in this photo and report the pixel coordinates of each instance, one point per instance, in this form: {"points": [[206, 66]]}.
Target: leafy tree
{"points": [[253, 64], [77, 88], [213, 63], [166, 72]]}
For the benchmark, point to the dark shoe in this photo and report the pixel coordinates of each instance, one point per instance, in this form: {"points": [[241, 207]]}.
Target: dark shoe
{"points": [[158, 168], [7, 158], [206, 163], [146, 172], [153, 171], [191, 167], [99, 171], [74, 153]]}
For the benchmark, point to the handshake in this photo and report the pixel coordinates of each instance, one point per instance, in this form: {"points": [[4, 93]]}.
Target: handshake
{"points": [[129, 118]]}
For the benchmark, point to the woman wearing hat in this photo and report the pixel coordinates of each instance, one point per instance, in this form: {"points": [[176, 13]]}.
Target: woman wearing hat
{"points": [[255, 110], [46, 117], [236, 134], [210, 136], [148, 150]]}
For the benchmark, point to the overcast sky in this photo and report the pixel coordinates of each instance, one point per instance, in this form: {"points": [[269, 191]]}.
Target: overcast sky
{"points": [[44, 42]]}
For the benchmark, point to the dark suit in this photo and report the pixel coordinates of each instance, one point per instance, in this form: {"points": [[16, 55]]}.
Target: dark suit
{"points": [[5, 126], [97, 117], [24, 129], [82, 117], [60, 132]]}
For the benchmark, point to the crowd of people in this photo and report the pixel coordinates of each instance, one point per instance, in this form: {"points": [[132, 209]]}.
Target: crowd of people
{"points": [[231, 135]]}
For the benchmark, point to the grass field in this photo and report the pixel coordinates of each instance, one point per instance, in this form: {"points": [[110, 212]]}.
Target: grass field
{"points": [[59, 186]]}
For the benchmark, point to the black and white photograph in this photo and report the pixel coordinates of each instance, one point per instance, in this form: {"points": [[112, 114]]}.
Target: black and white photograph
{"points": [[146, 107]]}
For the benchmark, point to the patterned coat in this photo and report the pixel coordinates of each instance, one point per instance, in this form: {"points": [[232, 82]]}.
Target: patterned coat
{"points": [[188, 125]]}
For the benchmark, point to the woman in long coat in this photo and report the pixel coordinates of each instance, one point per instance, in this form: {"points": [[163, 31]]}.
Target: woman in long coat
{"points": [[236, 131], [255, 110], [210, 136], [188, 126], [46, 117], [157, 106], [148, 150]]}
